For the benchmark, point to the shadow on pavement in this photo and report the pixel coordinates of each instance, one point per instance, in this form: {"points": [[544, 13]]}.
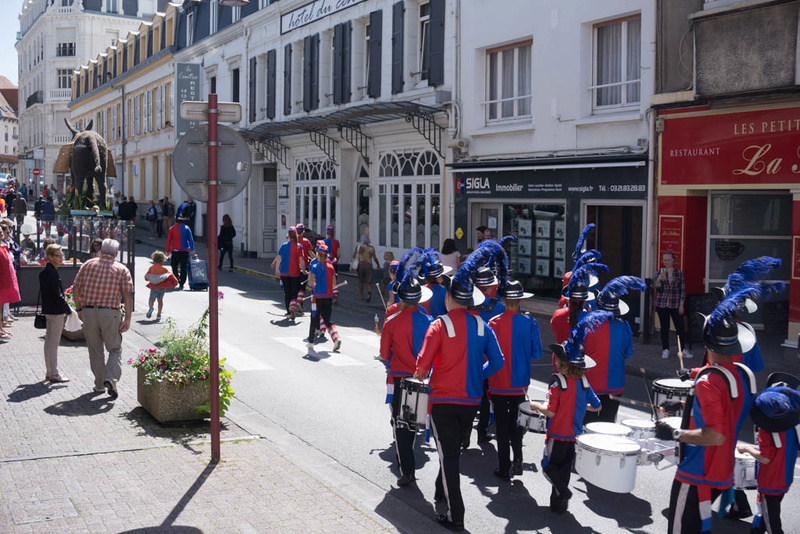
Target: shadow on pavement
{"points": [[86, 404], [629, 511], [180, 433], [25, 392]]}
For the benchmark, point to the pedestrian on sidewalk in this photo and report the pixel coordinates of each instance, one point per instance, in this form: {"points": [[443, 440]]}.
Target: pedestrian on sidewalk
{"points": [[152, 217], [100, 285], [180, 243], [670, 299], [322, 280], [20, 209], [55, 309], [288, 265], [366, 254], [159, 279], [160, 219], [225, 240], [168, 211]]}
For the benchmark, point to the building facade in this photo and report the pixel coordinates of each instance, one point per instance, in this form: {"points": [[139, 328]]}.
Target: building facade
{"points": [[555, 134], [9, 127], [53, 36], [728, 173]]}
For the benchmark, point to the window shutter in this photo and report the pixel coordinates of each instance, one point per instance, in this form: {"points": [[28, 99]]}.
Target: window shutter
{"points": [[398, 12], [436, 69], [347, 37], [271, 77], [315, 71], [251, 90], [375, 53], [307, 62], [287, 79], [338, 31]]}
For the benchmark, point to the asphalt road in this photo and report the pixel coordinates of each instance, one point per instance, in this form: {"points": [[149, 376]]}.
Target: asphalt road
{"points": [[326, 412]]}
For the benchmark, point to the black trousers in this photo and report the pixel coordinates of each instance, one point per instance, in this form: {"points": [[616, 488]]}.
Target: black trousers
{"points": [[403, 437], [160, 227], [608, 412], [768, 518], [223, 249], [180, 264], [291, 285], [449, 423], [685, 497], [509, 435], [324, 307], [664, 316], [560, 455]]}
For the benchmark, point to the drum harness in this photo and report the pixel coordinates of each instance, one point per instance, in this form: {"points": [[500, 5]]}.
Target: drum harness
{"points": [[733, 391]]}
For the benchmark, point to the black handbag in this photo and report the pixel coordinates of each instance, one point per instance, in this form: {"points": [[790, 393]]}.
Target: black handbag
{"points": [[39, 321]]}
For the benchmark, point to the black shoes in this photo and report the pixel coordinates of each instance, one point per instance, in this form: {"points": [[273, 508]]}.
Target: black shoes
{"points": [[516, 468], [111, 388], [405, 480], [455, 526], [502, 474]]}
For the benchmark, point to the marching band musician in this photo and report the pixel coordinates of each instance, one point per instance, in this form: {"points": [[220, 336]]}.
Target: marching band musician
{"points": [[609, 347], [462, 351], [289, 265], [322, 280], [431, 271], [519, 339], [723, 395], [401, 341], [333, 246], [308, 256], [569, 397], [579, 257]]}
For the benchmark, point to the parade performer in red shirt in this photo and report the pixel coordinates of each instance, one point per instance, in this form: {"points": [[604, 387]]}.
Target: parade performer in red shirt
{"points": [[569, 396], [401, 341], [462, 351], [308, 256], [609, 346], [289, 265], [776, 413], [322, 280], [519, 339]]}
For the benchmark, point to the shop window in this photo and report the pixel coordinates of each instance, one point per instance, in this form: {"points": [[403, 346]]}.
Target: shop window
{"points": [[509, 82], [315, 200], [617, 64]]}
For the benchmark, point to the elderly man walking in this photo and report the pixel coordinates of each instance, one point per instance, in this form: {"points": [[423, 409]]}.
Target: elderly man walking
{"points": [[100, 285]]}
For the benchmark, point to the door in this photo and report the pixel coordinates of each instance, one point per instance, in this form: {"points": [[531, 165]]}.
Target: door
{"points": [[269, 225], [488, 215]]}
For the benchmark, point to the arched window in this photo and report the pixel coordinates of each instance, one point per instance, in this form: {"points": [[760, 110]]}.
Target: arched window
{"points": [[314, 194]]}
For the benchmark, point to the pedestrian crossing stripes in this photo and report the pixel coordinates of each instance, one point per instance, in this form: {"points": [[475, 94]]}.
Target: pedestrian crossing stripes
{"points": [[241, 360], [321, 351]]}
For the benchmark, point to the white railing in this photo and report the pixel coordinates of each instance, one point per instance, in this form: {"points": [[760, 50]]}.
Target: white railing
{"points": [[62, 139], [59, 94]]}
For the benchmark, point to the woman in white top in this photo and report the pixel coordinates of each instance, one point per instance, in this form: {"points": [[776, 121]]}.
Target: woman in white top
{"points": [[450, 256]]}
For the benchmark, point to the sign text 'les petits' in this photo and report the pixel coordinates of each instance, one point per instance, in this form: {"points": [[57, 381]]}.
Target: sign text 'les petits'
{"points": [[313, 12], [761, 146]]}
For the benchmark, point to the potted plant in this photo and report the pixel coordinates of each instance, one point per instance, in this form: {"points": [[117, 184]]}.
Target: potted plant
{"points": [[72, 335], [173, 382]]}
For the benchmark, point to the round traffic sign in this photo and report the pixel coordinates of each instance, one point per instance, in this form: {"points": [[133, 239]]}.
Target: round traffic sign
{"points": [[37, 172], [190, 163]]}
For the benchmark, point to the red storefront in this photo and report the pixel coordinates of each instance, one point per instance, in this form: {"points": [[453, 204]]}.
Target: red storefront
{"points": [[729, 191]]}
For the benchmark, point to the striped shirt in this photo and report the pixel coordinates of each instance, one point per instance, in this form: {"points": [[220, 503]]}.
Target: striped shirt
{"points": [[102, 282]]}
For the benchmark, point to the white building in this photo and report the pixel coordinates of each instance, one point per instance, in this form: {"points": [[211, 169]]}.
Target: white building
{"points": [[347, 110], [554, 96], [54, 36], [9, 127]]}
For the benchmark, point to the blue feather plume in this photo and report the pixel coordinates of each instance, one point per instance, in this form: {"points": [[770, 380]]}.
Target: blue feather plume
{"points": [[404, 271], [751, 271], [582, 239], [582, 275], [477, 259], [589, 256], [498, 261], [588, 324], [620, 286], [426, 259], [507, 240], [730, 305]]}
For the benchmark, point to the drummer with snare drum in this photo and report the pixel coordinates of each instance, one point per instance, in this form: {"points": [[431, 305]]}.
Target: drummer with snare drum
{"points": [[401, 341], [519, 339]]}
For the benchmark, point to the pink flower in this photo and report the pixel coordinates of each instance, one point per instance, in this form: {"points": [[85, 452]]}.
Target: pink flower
{"points": [[220, 295], [187, 362], [130, 360]]}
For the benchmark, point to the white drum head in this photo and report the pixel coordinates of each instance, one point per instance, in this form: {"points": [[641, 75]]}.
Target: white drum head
{"points": [[608, 443], [639, 424], [673, 422], [672, 383], [612, 429]]}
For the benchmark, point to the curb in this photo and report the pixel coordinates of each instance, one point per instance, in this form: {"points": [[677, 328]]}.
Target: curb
{"points": [[258, 274]]}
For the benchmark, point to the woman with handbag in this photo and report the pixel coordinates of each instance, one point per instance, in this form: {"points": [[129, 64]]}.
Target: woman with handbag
{"points": [[55, 309]]}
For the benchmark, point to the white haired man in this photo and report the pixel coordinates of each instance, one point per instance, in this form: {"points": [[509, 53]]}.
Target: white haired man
{"points": [[100, 286]]}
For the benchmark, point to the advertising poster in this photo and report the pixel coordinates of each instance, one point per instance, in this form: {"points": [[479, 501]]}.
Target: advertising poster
{"points": [[543, 228], [542, 267], [525, 228], [524, 247], [543, 248]]}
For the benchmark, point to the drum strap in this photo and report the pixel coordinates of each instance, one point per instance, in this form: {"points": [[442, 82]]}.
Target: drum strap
{"points": [[776, 440], [585, 382], [560, 380], [797, 431], [392, 316], [732, 387], [451, 329], [751, 378]]}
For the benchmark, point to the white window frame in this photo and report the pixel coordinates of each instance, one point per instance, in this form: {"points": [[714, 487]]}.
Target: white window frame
{"points": [[624, 83], [322, 174], [113, 122], [189, 28], [423, 52], [64, 77], [236, 14], [213, 17], [112, 6], [516, 98]]}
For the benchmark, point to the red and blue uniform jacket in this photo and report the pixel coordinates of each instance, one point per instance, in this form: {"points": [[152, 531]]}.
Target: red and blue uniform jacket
{"points": [[333, 249], [179, 238], [715, 408], [435, 306], [567, 399], [463, 352], [752, 359], [324, 279], [490, 309], [609, 346], [781, 448], [308, 249], [559, 325], [290, 254], [520, 342], [401, 340]]}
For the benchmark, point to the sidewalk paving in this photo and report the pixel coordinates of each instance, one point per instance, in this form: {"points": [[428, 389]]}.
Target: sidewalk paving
{"points": [[74, 461]]}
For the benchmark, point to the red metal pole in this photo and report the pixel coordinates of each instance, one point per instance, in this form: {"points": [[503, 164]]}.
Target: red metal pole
{"points": [[211, 238]]}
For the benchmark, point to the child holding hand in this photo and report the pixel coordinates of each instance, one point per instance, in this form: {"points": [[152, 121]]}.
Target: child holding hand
{"points": [[159, 279]]}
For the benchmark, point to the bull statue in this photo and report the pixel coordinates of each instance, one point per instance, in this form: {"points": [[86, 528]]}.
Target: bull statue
{"points": [[88, 160]]}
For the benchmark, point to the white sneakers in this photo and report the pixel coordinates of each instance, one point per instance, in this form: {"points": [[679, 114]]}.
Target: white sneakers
{"points": [[665, 354], [686, 354]]}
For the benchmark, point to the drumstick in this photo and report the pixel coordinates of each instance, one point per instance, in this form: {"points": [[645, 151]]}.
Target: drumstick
{"points": [[337, 286], [647, 389], [680, 352], [381, 294]]}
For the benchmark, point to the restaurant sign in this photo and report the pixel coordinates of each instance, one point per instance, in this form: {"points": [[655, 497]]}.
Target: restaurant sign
{"points": [[749, 147]]}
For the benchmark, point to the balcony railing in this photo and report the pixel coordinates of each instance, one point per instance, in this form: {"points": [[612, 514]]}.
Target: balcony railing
{"points": [[65, 49], [35, 98], [59, 94], [62, 139]]}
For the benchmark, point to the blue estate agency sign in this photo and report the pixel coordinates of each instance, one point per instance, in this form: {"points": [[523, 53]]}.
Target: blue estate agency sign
{"points": [[625, 183], [188, 77], [312, 12]]}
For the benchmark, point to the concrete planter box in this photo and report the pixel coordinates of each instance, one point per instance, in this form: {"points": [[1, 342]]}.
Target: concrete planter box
{"points": [[168, 403]]}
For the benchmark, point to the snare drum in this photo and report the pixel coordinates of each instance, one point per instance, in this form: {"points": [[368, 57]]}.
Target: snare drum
{"points": [[531, 420], [608, 462], [670, 389], [413, 404], [610, 429], [641, 429], [744, 472]]}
